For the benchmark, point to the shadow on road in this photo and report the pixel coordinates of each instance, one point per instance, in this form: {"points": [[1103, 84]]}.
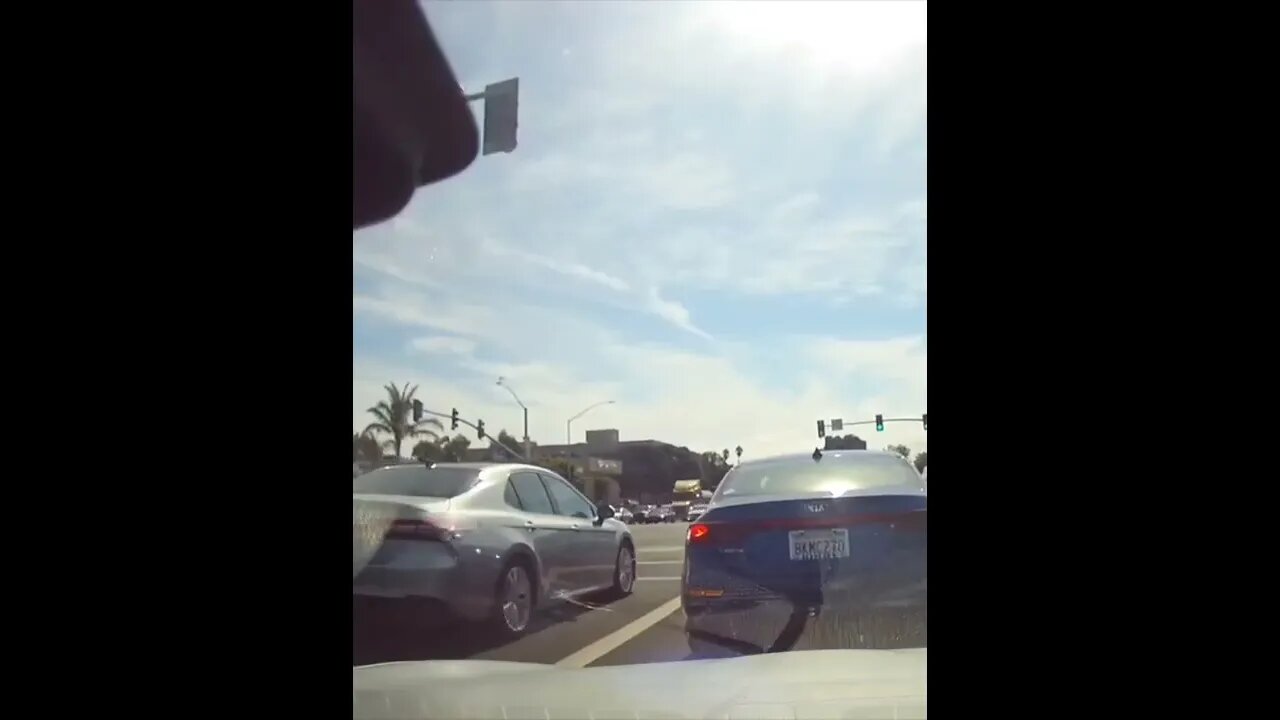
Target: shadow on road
{"points": [[830, 630], [393, 630]]}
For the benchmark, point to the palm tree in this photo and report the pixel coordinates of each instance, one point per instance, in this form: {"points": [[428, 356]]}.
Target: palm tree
{"points": [[365, 446], [395, 417]]}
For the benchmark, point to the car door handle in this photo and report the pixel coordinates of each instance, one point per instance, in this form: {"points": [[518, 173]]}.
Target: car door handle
{"points": [[576, 526], [529, 524]]}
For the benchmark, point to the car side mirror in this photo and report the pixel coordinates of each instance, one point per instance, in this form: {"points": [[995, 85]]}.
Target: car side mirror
{"points": [[603, 512]]}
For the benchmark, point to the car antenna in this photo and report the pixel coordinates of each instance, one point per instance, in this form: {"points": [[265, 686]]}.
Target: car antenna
{"points": [[817, 454]]}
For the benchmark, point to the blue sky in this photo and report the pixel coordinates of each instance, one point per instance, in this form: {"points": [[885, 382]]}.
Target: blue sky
{"points": [[716, 217]]}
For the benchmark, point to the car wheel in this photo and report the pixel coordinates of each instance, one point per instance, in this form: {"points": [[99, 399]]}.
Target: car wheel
{"points": [[513, 600], [624, 572]]}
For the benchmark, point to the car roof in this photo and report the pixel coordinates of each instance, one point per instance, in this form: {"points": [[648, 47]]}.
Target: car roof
{"points": [[841, 457], [484, 469]]}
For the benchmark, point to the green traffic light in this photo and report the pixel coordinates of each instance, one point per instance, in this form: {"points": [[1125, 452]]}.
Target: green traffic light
{"points": [[879, 423]]}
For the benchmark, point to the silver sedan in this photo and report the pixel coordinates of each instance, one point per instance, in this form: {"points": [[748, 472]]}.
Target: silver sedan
{"points": [[489, 542]]}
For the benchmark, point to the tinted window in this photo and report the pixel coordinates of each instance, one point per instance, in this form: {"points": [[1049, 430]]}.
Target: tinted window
{"points": [[532, 497], [510, 496], [828, 475], [416, 480], [568, 501]]}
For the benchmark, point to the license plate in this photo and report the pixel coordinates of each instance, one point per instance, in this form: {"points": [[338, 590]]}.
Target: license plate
{"points": [[819, 544]]}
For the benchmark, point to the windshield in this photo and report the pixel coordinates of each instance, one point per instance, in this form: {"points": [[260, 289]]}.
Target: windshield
{"points": [[415, 480], [693, 240]]}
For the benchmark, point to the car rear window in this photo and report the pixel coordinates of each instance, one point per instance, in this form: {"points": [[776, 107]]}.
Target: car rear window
{"points": [[831, 475], [416, 480]]}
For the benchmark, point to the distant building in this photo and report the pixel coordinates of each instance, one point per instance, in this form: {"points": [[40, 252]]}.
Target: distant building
{"points": [[608, 468], [602, 439]]}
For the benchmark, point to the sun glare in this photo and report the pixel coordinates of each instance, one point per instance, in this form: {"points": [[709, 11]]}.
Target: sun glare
{"points": [[858, 36]]}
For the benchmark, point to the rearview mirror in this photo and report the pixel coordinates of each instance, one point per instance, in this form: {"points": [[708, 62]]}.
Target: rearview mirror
{"points": [[603, 512]]}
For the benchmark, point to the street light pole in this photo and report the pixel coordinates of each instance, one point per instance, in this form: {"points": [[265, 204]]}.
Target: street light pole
{"points": [[568, 432], [527, 455]]}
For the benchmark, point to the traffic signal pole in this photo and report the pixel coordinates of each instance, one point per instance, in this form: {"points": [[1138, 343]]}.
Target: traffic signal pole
{"points": [[873, 422], [823, 430], [475, 427]]}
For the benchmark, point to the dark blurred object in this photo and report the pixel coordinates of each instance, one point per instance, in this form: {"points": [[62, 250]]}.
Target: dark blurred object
{"points": [[410, 122]]}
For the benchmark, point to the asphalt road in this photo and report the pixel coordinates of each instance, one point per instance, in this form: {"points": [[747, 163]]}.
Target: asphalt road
{"points": [[647, 626]]}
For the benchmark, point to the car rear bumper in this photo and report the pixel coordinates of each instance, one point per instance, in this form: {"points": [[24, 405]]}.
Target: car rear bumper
{"points": [[831, 618], [431, 571]]}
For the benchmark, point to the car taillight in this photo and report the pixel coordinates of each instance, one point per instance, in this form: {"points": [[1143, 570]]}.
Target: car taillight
{"points": [[426, 529], [717, 533]]}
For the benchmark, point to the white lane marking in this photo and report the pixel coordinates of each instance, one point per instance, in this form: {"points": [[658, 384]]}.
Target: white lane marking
{"points": [[663, 548], [610, 642], [674, 577], [659, 562]]}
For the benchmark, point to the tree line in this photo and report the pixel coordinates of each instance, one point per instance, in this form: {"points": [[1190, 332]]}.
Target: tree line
{"points": [[853, 442], [922, 457]]}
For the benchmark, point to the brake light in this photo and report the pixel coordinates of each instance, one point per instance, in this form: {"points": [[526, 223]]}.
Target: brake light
{"points": [[698, 533], [440, 528]]}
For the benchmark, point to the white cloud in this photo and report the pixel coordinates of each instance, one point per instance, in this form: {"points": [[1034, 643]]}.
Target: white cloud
{"points": [[564, 267], [674, 313], [684, 181], [855, 37], [902, 360], [443, 345], [408, 308]]}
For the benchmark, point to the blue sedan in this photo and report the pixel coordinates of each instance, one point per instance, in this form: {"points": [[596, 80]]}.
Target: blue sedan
{"points": [[825, 550]]}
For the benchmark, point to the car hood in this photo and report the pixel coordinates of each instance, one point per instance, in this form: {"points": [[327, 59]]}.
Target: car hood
{"points": [[797, 684]]}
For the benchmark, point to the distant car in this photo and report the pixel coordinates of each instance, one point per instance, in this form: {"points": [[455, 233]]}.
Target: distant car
{"points": [[624, 514], [661, 513], [648, 514], [840, 534], [490, 543], [696, 511]]}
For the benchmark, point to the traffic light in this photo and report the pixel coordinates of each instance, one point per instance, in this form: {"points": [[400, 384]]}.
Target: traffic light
{"points": [[417, 410], [501, 102], [454, 422], [480, 429], [822, 428], [879, 423], [925, 420]]}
